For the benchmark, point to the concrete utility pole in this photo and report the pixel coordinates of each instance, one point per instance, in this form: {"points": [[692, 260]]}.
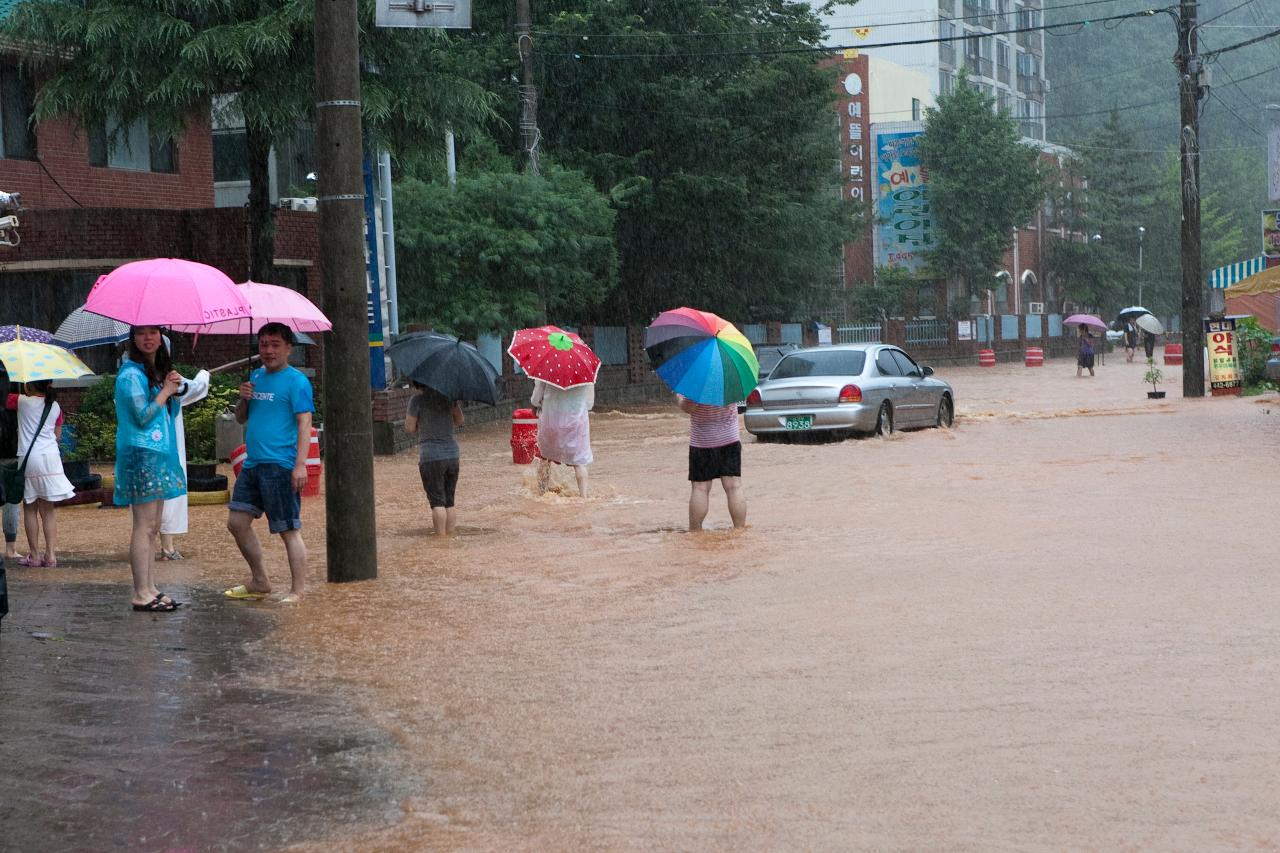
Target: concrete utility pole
{"points": [[529, 136], [1190, 92], [348, 425]]}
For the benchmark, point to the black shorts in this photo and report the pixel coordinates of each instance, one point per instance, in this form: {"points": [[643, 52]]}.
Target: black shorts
{"points": [[712, 463], [439, 480]]}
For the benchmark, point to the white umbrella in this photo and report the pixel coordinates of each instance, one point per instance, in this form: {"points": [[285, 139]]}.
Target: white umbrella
{"points": [[1149, 323]]}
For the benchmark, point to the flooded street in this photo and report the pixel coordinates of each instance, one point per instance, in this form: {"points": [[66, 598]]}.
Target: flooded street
{"points": [[1050, 627]]}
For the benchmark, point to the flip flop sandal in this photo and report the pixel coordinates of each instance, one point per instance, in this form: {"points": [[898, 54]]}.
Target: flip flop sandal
{"points": [[31, 563], [156, 605], [240, 592]]}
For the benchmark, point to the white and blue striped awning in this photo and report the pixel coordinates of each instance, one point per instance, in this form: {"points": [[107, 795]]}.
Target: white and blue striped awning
{"points": [[1226, 276]]}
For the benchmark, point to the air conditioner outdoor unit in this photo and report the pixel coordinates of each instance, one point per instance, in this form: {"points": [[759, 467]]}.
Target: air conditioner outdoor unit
{"points": [[1035, 307], [307, 203]]}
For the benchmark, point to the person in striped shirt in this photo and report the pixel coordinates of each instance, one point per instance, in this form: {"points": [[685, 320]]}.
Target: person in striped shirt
{"points": [[715, 453]]}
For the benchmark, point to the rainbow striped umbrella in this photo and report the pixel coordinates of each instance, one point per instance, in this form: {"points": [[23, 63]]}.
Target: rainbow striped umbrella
{"points": [[702, 357]]}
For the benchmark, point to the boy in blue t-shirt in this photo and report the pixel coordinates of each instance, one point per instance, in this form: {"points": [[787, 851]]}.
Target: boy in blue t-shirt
{"points": [[276, 405]]}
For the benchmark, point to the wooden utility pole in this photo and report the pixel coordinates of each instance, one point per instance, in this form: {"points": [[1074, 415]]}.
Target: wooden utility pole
{"points": [[1190, 92], [348, 424], [529, 136]]}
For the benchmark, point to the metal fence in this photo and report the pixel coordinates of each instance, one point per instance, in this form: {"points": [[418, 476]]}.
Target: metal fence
{"points": [[858, 333], [923, 332], [1009, 327], [1033, 325], [793, 333], [755, 332]]}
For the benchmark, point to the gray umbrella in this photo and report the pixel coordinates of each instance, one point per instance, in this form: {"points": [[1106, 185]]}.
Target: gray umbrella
{"points": [[444, 364], [82, 329]]}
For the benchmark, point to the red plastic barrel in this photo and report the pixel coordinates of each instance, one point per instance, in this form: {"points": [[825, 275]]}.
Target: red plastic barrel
{"points": [[314, 469], [1035, 357], [524, 436], [986, 358], [1173, 353]]}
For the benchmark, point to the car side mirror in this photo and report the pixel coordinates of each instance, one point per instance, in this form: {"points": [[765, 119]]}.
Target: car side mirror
{"points": [[926, 370]]}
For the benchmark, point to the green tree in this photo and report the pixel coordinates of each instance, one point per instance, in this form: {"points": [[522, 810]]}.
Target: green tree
{"points": [[111, 62], [886, 297], [983, 182], [721, 160], [503, 249], [1103, 200]]}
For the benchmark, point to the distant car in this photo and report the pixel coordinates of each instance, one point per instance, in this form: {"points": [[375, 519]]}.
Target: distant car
{"points": [[864, 388], [1273, 363], [770, 354]]}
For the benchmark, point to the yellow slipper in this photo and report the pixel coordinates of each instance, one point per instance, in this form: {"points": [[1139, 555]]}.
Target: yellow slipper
{"points": [[240, 592]]}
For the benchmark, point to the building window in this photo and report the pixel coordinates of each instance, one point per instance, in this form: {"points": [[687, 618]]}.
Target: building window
{"points": [[230, 156], [131, 147], [915, 109], [1002, 54], [17, 100], [946, 83]]}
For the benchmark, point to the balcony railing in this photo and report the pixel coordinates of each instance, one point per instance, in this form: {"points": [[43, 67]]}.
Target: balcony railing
{"points": [[1030, 85], [1002, 73], [1032, 128], [947, 54], [948, 6]]}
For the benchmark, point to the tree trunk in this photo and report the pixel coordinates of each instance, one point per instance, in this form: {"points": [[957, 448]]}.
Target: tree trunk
{"points": [[261, 218]]}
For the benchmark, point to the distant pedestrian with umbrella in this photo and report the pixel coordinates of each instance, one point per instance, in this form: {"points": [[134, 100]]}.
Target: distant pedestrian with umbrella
{"points": [[1084, 352], [147, 468], [712, 367], [564, 371], [444, 371]]}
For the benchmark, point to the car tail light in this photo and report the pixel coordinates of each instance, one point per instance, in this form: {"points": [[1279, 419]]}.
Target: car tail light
{"points": [[851, 394], [753, 399], [1275, 346]]}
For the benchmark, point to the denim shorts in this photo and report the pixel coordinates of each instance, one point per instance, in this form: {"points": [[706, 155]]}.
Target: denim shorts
{"points": [[268, 488]]}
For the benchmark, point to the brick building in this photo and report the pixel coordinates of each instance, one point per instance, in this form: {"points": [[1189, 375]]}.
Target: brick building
{"points": [[95, 198]]}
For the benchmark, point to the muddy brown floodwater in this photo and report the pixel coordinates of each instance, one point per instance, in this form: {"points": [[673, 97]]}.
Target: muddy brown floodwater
{"points": [[1051, 627]]}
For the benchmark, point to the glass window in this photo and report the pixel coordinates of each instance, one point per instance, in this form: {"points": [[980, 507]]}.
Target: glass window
{"points": [[831, 362], [17, 98], [905, 364], [132, 147], [915, 109], [885, 365], [230, 156]]}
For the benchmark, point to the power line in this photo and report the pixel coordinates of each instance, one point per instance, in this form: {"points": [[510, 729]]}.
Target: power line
{"points": [[1214, 54], [1146, 13], [842, 24]]}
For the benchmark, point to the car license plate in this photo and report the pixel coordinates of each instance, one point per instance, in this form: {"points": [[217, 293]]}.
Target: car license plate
{"points": [[799, 421]]}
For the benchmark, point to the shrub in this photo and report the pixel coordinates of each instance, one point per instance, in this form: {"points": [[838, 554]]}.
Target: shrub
{"points": [[1253, 348]]}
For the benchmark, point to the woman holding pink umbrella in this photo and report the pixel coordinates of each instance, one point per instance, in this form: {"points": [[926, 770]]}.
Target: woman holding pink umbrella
{"points": [[147, 469]]}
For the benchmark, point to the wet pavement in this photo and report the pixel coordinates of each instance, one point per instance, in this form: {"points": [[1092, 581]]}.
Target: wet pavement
{"points": [[131, 731], [1052, 627]]}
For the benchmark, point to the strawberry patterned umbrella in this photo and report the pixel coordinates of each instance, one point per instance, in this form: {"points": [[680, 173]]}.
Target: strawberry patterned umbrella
{"points": [[555, 356]]}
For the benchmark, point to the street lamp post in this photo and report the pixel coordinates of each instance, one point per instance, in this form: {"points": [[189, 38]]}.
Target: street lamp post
{"points": [[1141, 233]]}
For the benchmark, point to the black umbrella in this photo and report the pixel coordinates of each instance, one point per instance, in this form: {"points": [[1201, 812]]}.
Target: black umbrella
{"points": [[447, 365]]}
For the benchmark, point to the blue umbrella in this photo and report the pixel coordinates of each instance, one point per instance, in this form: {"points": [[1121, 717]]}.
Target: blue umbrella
{"points": [[11, 333]]}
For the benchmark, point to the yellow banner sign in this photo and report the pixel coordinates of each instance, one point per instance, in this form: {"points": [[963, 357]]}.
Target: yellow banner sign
{"points": [[1224, 365]]}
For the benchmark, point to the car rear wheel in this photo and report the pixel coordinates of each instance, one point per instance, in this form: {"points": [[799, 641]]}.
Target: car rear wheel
{"points": [[884, 419], [946, 413]]}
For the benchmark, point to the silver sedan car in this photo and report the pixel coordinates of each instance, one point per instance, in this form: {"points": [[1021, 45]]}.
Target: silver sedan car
{"points": [[866, 388]]}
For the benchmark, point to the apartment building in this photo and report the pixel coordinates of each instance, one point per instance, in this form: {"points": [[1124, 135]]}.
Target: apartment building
{"points": [[1006, 65]]}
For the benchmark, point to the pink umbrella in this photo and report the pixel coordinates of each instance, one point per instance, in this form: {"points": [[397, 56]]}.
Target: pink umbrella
{"points": [[166, 292], [268, 303], [1084, 320]]}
